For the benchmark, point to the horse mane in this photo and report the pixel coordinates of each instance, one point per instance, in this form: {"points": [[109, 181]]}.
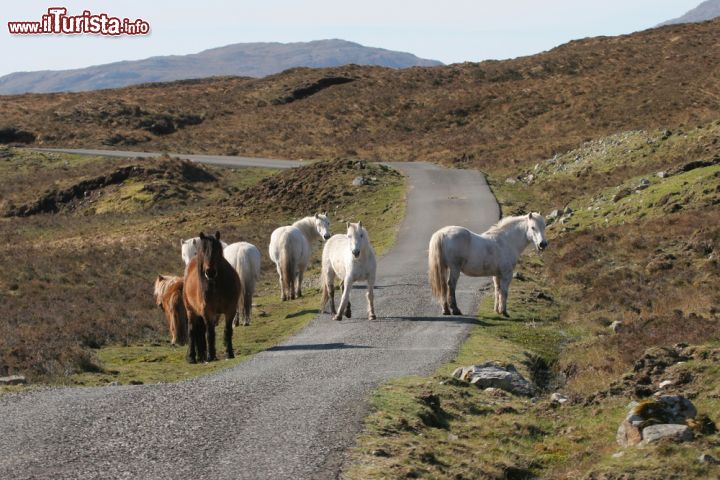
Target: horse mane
{"points": [[163, 284], [502, 225]]}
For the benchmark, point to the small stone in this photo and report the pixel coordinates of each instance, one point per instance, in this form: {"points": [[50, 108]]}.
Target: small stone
{"points": [[665, 383], [359, 181], [510, 181], [662, 174], [644, 183], [621, 194], [114, 384], [677, 433], [13, 380], [568, 211], [452, 437], [707, 458], [380, 453], [559, 398], [616, 326], [618, 454]]}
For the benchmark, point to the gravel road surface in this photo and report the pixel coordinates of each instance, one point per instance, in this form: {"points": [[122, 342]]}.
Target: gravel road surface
{"points": [[289, 412]]}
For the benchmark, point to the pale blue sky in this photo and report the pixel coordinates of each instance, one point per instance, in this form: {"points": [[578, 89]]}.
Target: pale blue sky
{"points": [[450, 30]]}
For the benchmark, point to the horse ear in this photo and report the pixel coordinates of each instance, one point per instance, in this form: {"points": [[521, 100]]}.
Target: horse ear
{"points": [[347, 225], [160, 277], [360, 225], [317, 216], [217, 235], [325, 214], [202, 236], [530, 215]]}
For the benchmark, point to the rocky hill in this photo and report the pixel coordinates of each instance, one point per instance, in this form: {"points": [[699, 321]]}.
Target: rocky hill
{"points": [[498, 114], [707, 10], [243, 59]]}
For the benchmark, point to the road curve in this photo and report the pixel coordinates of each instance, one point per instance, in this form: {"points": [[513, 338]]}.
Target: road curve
{"points": [[289, 412]]}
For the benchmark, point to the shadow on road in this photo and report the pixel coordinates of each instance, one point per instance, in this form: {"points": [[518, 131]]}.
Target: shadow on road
{"points": [[315, 346]]}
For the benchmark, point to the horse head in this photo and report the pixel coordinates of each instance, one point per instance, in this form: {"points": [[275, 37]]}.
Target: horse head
{"points": [[322, 225], [209, 254], [357, 236], [536, 231]]}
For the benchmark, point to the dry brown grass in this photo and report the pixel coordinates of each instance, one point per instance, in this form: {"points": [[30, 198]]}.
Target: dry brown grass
{"points": [[489, 115]]}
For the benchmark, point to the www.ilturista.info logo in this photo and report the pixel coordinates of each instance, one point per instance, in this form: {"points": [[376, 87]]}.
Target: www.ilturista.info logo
{"points": [[57, 21]]}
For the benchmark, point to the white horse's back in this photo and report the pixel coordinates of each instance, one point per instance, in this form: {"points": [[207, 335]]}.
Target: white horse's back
{"points": [[290, 249], [188, 248], [454, 250], [245, 259]]}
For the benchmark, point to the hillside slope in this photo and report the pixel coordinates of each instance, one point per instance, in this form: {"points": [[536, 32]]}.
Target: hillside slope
{"points": [[707, 10], [473, 114], [243, 59]]}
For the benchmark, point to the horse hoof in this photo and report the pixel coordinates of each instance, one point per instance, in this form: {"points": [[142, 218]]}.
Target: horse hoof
{"points": [[246, 324], [505, 314], [230, 356], [446, 312], [191, 360], [457, 312], [337, 318], [372, 317]]}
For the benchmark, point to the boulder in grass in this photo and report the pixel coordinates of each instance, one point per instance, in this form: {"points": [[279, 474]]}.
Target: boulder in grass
{"points": [[496, 375], [661, 411], [666, 431]]}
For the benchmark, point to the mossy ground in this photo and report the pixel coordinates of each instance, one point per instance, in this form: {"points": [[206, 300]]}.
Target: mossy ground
{"points": [[639, 260]]}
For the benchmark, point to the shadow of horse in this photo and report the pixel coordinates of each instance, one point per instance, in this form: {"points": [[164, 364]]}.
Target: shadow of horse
{"points": [[316, 346]]}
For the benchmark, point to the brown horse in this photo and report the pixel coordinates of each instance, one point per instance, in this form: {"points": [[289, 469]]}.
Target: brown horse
{"points": [[169, 297], [212, 288]]}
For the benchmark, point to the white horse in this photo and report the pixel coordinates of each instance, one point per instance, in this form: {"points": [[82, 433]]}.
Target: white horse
{"points": [[245, 259], [493, 253], [188, 248], [351, 258], [290, 249]]}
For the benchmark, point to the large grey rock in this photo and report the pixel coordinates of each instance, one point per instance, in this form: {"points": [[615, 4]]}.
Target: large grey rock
{"points": [[664, 410], [496, 375], [674, 432]]}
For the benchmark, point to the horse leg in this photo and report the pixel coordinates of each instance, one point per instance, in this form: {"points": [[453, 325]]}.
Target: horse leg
{"points": [[283, 295], [331, 288], [227, 337], [299, 282], [504, 289], [371, 299], [200, 341], [452, 284], [496, 294], [210, 334], [345, 300], [192, 339]]}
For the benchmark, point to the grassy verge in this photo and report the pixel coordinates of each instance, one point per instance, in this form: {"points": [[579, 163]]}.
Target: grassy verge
{"points": [[645, 257], [78, 286]]}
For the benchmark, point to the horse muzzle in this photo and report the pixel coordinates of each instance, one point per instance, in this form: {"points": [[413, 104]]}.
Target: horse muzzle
{"points": [[543, 245], [327, 236], [356, 253]]}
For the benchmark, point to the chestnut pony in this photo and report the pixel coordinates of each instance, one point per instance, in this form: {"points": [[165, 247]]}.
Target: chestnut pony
{"points": [[211, 288]]}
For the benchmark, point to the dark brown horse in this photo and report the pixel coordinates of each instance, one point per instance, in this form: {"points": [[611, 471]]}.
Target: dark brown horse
{"points": [[211, 289]]}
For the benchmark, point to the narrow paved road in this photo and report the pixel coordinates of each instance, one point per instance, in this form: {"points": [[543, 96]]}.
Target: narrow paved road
{"points": [[289, 412]]}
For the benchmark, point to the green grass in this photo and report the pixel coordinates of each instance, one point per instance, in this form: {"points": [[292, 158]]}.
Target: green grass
{"points": [[161, 362], [155, 360], [436, 427]]}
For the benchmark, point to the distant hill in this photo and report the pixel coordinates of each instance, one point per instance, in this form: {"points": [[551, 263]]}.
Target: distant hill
{"points": [[243, 59], [483, 115], [707, 10]]}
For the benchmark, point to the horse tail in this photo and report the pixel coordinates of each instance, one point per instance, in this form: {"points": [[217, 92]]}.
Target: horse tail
{"points": [[287, 267], [437, 268], [178, 313], [250, 274]]}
